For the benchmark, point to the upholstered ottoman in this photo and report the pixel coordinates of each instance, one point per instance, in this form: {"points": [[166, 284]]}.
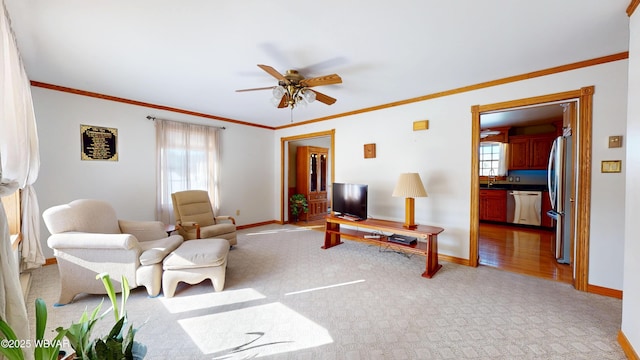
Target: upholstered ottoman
{"points": [[194, 261]]}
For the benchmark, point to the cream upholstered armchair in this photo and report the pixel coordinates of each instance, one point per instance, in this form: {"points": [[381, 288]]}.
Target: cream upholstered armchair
{"points": [[87, 239], [195, 218]]}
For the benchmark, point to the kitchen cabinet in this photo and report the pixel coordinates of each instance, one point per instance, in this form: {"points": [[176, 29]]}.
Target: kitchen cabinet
{"points": [[529, 152], [311, 180], [493, 205]]}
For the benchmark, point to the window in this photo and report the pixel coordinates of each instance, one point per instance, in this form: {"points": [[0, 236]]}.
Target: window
{"points": [[187, 158], [493, 159]]}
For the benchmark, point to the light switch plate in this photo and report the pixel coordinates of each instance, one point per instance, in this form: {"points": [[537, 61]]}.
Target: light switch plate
{"points": [[615, 141]]}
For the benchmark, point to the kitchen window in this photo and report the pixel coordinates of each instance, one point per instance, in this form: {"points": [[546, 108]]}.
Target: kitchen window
{"points": [[493, 159]]}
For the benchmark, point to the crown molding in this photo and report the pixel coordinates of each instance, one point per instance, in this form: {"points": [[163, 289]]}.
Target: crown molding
{"points": [[632, 7], [140, 103]]}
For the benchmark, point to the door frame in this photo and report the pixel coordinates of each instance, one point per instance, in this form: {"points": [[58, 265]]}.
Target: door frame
{"points": [[284, 156], [583, 135]]}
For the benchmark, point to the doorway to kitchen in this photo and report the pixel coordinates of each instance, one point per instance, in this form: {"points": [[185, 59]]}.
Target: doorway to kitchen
{"points": [[515, 232], [526, 240]]}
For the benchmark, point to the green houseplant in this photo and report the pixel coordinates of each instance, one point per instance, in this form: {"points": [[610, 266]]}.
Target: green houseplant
{"points": [[298, 204], [12, 347], [118, 343], [79, 334]]}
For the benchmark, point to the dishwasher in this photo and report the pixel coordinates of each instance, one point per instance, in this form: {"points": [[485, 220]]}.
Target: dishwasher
{"points": [[524, 207]]}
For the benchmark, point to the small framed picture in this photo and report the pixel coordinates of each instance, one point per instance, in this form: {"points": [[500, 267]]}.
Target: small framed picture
{"points": [[611, 166], [369, 151]]}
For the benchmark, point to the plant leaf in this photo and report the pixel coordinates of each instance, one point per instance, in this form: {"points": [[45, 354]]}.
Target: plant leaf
{"points": [[14, 353], [108, 285], [125, 294], [41, 318]]}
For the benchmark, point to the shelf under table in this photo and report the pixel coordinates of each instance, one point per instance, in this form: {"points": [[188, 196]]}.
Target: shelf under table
{"points": [[428, 247]]}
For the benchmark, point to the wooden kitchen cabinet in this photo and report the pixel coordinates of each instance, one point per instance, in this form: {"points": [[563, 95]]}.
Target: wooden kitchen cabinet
{"points": [[493, 205], [311, 180], [529, 152]]}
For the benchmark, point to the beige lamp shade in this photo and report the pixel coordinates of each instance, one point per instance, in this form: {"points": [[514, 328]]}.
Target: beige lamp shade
{"points": [[409, 186]]}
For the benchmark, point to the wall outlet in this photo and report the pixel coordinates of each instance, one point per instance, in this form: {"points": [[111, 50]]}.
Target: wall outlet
{"points": [[237, 212]]}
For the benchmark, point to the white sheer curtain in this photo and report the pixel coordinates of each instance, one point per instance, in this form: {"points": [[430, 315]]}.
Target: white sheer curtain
{"points": [[20, 163], [187, 159], [502, 163]]}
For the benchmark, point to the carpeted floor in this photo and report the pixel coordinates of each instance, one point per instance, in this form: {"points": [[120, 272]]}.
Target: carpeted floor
{"points": [[286, 298]]}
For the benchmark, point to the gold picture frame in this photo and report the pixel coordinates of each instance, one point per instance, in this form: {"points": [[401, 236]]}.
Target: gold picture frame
{"points": [[611, 166]]}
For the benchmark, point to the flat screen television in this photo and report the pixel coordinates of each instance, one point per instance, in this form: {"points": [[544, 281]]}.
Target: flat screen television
{"points": [[349, 200]]}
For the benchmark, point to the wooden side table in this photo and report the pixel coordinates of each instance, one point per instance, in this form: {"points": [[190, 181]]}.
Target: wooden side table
{"points": [[428, 248]]}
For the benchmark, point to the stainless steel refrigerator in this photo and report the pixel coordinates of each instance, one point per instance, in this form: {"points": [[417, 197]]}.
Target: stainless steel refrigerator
{"points": [[559, 170]]}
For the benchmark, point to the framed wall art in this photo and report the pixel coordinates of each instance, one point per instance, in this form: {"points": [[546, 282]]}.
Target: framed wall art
{"points": [[98, 143]]}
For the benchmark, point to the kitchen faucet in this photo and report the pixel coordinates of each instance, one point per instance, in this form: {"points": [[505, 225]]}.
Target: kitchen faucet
{"points": [[491, 177]]}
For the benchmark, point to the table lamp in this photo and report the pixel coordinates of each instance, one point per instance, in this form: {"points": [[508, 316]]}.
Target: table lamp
{"points": [[409, 186]]}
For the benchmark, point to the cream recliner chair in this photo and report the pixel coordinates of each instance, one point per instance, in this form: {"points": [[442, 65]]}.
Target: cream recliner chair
{"points": [[195, 218], [87, 239]]}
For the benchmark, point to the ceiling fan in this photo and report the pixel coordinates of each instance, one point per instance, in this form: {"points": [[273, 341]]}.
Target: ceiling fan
{"points": [[488, 132], [294, 89]]}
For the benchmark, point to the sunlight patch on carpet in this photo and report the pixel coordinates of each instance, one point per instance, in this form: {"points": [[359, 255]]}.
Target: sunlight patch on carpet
{"points": [[323, 287], [277, 231], [186, 303], [254, 332]]}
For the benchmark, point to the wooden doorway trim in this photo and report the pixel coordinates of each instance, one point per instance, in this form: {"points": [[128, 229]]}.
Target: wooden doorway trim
{"points": [[583, 134], [283, 156]]}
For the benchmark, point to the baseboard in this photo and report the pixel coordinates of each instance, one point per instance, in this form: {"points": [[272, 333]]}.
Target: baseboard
{"points": [[453, 259], [627, 347], [594, 289], [256, 224]]}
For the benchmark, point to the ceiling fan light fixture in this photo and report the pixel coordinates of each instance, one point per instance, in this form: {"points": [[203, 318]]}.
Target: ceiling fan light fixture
{"points": [[275, 102], [309, 96], [278, 93]]}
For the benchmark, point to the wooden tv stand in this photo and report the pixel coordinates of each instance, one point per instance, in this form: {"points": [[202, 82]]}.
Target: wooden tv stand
{"points": [[429, 247]]}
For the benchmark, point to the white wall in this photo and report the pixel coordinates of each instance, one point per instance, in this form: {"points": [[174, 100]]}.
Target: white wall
{"points": [[442, 156], [129, 184], [631, 299]]}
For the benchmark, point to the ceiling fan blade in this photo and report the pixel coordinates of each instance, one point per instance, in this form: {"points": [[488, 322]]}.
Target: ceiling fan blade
{"points": [[326, 99], [261, 88], [321, 80], [273, 72], [283, 102]]}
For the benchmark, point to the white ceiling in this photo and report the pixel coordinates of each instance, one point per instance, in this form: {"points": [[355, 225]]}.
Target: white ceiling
{"points": [[194, 54], [528, 116]]}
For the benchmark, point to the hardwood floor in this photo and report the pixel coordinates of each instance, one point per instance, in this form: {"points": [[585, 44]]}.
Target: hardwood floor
{"points": [[521, 250], [510, 248]]}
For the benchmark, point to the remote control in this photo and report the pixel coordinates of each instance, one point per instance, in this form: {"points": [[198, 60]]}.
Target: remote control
{"points": [[372, 236]]}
